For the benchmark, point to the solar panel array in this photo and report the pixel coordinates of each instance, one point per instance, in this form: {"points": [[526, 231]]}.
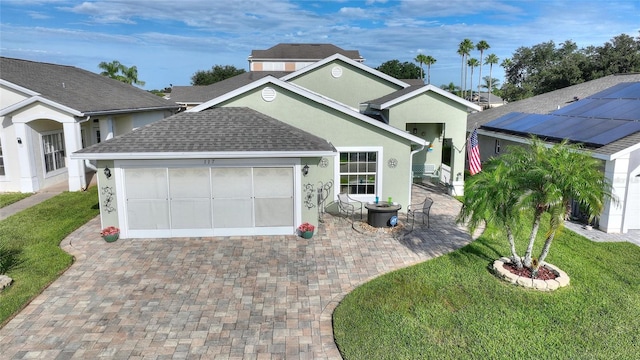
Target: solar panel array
{"points": [[598, 120]]}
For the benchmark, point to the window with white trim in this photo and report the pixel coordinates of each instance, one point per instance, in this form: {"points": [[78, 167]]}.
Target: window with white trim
{"points": [[2, 173], [358, 172], [53, 149]]}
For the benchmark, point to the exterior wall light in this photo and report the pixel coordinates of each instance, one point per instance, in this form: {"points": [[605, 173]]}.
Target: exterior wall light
{"points": [[19, 141], [305, 170], [107, 172]]}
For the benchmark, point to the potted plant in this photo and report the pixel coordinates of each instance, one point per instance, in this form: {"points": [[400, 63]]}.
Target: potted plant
{"points": [[306, 230], [110, 233]]}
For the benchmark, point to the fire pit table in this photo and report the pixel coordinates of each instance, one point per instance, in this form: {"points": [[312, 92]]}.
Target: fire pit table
{"points": [[378, 215]]}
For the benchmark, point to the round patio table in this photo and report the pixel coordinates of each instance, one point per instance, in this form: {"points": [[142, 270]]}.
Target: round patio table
{"points": [[379, 215]]}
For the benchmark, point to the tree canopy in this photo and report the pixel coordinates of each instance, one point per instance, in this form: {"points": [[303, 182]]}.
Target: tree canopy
{"points": [[120, 72], [398, 70], [217, 73], [546, 67]]}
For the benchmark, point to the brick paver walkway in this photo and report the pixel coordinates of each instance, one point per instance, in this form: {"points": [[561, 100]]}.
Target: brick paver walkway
{"points": [[263, 297]]}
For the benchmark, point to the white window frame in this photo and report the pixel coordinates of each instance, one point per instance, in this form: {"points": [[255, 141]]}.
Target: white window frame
{"points": [[57, 169], [379, 167]]}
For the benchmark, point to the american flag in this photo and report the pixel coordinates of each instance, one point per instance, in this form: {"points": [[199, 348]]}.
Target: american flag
{"points": [[473, 152]]}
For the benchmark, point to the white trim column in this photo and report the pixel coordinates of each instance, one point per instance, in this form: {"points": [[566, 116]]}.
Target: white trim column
{"points": [[75, 168], [28, 174], [616, 171]]}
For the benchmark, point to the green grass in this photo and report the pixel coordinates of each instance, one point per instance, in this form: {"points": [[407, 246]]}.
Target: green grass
{"points": [[452, 307], [9, 198], [32, 237]]}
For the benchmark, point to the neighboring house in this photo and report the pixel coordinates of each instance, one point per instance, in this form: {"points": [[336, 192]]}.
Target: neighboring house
{"points": [[602, 114], [487, 102], [254, 159], [292, 57], [48, 111]]}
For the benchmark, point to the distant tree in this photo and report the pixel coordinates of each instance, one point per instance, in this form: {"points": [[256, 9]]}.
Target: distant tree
{"points": [[482, 45], [429, 60], [618, 56], [491, 60], [217, 73], [398, 70], [464, 50], [451, 87], [490, 83], [120, 72], [421, 59], [473, 63]]}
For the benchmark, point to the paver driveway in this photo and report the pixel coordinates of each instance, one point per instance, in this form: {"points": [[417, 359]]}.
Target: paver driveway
{"points": [[258, 297]]}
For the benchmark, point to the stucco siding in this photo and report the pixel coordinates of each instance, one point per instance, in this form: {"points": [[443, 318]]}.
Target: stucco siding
{"points": [[353, 87], [9, 96]]}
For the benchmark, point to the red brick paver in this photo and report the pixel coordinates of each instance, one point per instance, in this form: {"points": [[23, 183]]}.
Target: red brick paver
{"points": [[263, 297]]}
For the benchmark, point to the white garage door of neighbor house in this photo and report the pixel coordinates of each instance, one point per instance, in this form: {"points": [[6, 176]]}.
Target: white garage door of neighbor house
{"points": [[221, 201]]}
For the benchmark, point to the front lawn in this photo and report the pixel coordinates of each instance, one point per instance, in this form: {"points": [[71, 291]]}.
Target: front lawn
{"points": [[7, 199], [30, 245], [452, 307]]}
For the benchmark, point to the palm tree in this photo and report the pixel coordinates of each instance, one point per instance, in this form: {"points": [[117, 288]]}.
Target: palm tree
{"points": [[491, 60], [464, 49], [120, 72], [429, 60], [481, 46], [451, 87], [473, 62], [541, 178], [421, 59], [111, 69]]}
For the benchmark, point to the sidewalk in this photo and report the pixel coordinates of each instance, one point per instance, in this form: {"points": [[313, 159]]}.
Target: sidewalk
{"points": [[32, 200]]}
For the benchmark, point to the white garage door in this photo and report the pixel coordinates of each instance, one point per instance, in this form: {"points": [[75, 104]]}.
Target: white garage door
{"points": [[220, 201]]}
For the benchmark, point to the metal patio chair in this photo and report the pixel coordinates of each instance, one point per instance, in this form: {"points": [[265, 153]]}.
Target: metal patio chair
{"points": [[348, 206], [423, 207]]}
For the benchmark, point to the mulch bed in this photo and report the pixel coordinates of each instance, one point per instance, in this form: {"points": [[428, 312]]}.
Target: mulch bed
{"points": [[543, 272]]}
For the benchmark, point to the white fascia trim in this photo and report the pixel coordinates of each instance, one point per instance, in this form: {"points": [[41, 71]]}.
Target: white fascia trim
{"points": [[424, 89], [19, 88], [527, 141], [351, 62], [38, 98], [311, 96], [200, 155], [124, 111]]}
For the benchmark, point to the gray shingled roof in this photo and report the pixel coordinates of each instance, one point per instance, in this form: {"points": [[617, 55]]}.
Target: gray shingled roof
{"points": [[304, 51], [394, 95], [79, 89], [554, 100], [200, 94], [226, 129], [551, 101]]}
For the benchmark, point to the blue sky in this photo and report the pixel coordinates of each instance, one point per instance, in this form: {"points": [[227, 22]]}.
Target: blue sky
{"points": [[169, 40]]}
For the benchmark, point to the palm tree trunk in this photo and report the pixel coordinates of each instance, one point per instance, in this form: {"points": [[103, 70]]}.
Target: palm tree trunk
{"points": [[545, 248], [532, 238], [490, 86], [515, 259]]}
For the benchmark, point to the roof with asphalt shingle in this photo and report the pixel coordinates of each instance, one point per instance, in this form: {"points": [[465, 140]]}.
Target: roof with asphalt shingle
{"points": [[79, 89], [552, 101], [200, 94], [225, 129], [303, 52]]}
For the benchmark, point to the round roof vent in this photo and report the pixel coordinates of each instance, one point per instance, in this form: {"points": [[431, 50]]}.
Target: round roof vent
{"points": [[268, 94], [336, 72]]}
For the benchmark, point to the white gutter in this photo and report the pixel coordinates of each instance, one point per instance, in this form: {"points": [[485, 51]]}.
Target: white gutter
{"points": [[201, 155]]}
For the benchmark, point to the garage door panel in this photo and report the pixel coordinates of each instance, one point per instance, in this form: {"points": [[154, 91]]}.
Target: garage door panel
{"points": [[274, 212], [232, 213], [189, 183], [273, 182], [146, 183], [191, 214], [231, 182], [147, 214]]}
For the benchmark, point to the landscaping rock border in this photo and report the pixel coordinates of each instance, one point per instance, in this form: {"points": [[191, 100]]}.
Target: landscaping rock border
{"points": [[561, 280], [5, 281]]}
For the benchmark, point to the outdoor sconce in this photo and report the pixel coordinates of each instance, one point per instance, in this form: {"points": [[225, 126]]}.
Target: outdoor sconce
{"points": [[415, 131], [458, 176], [107, 173], [305, 170], [19, 141]]}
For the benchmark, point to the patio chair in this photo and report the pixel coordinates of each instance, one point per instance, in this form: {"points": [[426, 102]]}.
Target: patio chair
{"points": [[348, 206], [423, 207]]}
